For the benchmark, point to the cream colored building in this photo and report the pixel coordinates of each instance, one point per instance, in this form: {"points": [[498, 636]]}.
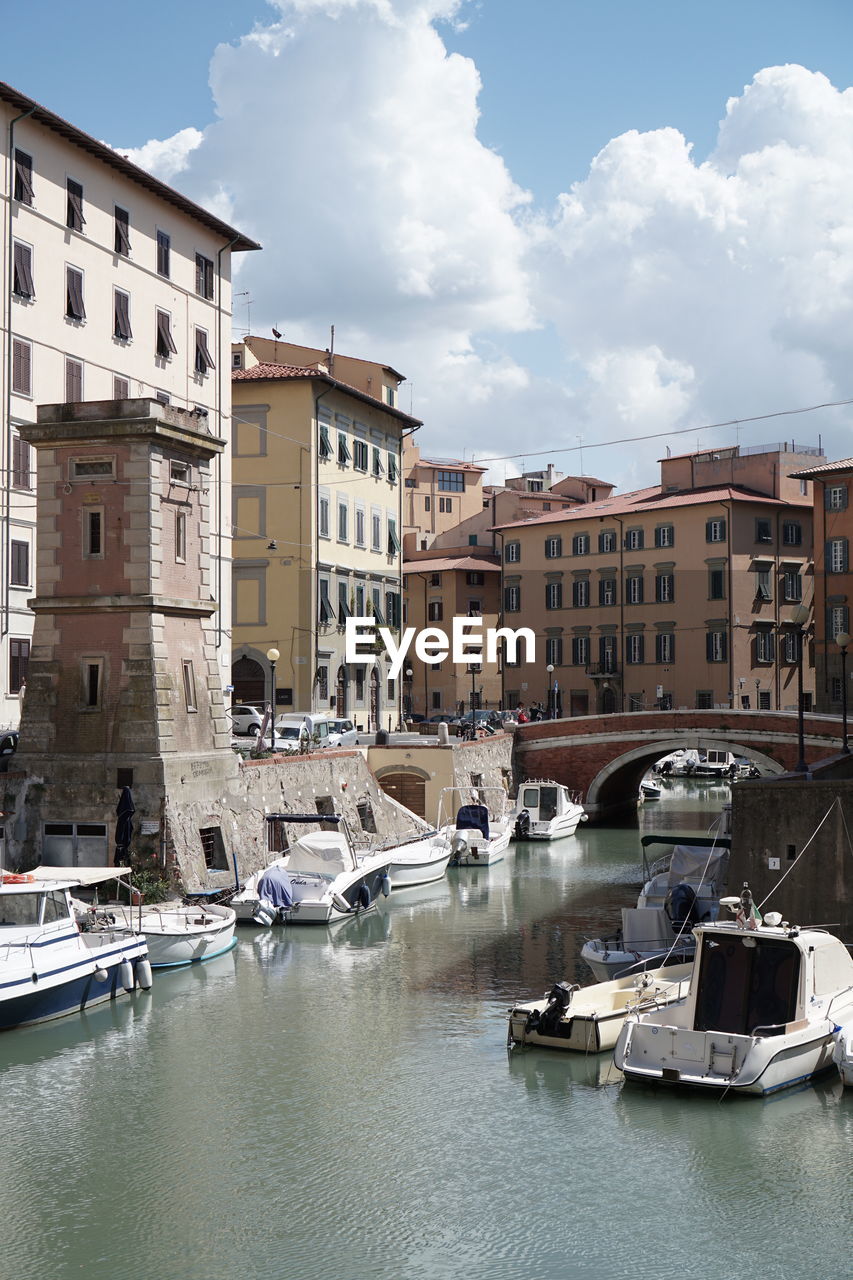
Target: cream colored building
{"points": [[683, 594], [317, 517], [115, 287], [440, 493]]}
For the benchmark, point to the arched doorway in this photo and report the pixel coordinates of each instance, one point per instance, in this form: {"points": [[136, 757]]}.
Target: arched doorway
{"points": [[341, 693], [608, 702], [407, 789], [249, 681], [375, 708]]}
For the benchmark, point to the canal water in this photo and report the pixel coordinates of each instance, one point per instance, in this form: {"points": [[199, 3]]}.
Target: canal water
{"points": [[341, 1105]]}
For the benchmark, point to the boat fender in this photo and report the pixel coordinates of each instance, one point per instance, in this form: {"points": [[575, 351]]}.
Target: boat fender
{"points": [[522, 825], [143, 973], [362, 898], [386, 885], [100, 974], [125, 973]]}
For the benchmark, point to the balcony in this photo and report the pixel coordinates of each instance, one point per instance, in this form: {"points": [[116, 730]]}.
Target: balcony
{"points": [[603, 670]]}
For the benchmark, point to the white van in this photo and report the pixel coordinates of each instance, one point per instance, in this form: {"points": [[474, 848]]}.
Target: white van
{"points": [[317, 728]]}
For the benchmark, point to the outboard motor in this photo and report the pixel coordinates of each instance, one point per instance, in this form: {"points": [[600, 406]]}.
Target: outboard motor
{"points": [[522, 825], [559, 999], [683, 911]]}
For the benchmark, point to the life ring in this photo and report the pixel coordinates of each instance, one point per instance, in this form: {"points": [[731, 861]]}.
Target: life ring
{"points": [[9, 877]]}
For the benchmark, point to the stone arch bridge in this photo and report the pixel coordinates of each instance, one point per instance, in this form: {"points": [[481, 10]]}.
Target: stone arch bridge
{"points": [[605, 757]]}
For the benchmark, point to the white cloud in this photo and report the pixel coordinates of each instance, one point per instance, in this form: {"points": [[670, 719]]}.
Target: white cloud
{"points": [[168, 158]]}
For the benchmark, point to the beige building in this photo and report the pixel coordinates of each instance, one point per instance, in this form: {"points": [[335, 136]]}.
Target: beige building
{"points": [[440, 493], [116, 287], [317, 514], [679, 595]]}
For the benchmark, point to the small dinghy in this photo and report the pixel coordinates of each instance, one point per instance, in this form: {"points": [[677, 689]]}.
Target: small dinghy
{"points": [[176, 934], [589, 1019]]}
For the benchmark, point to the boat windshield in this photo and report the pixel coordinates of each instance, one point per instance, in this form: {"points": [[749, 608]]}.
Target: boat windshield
{"points": [[547, 803], [18, 909], [746, 982]]}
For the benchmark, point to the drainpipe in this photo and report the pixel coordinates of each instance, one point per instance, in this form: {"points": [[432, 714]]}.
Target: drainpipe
{"points": [[218, 410], [7, 436]]}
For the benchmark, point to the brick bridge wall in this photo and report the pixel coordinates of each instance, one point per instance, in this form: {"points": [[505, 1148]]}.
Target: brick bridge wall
{"points": [[605, 757]]}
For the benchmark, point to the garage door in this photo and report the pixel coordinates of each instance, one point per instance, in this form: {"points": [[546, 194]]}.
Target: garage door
{"points": [[407, 789]]}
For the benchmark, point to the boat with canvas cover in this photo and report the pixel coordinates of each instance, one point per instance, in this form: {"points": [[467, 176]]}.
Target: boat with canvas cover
{"points": [[481, 829], [547, 811], [589, 1019], [763, 1009], [49, 966]]}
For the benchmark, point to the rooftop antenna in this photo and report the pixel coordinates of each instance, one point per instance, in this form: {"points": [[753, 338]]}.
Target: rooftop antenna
{"points": [[245, 294], [580, 449], [276, 335], [332, 351]]}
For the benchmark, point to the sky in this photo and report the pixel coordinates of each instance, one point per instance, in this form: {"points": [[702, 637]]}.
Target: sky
{"points": [[570, 223]]}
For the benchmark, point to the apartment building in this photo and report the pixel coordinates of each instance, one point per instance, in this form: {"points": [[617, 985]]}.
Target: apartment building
{"points": [[440, 493], [317, 514], [115, 287], [833, 532], [683, 594]]}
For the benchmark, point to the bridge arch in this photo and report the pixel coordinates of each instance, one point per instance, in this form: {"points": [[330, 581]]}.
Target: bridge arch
{"points": [[622, 775]]}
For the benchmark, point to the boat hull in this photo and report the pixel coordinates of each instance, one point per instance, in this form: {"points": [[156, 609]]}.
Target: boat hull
{"points": [[557, 828], [67, 983], [481, 852], [170, 951], [408, 875]]}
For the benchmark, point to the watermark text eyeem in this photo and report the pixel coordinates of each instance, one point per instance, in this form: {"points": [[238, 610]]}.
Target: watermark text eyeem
{"points": [[464, 646]]}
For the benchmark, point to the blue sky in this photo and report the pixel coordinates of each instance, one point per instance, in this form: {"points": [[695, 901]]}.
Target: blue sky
{"points": [[557, 309]]}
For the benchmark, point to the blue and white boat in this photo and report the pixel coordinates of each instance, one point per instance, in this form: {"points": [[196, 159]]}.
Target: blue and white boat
{"points": [[49, 966]]}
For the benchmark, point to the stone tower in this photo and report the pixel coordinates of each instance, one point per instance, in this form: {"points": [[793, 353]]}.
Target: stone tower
{"points": [[123, 687]]}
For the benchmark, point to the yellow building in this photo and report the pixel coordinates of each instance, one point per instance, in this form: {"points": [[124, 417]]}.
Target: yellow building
{"points": [[317, 514]]}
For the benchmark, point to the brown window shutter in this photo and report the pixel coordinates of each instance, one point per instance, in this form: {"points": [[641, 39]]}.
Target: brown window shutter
{"points": [[73, 381], [21, 463], [74, 217], [74, 308], [203, 276], [23, 177], [165, 342], [122, 327], [203, 358], [121, 389], [163, 245], [122, 232], [21, 368], [23, 273]]}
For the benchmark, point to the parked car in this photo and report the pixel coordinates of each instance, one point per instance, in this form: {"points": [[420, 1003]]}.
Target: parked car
{"points": [[245, 719], [317, 726], [342, 733], [291, 737], [444, 718], [9, 742]]}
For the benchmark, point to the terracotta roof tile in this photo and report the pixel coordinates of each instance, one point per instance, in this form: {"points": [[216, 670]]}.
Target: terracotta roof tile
{"points": [[653, 499], [291, 372]]}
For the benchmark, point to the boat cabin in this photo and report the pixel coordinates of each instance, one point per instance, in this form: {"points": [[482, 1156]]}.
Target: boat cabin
{"points": [[22, 906], [545, 801]]}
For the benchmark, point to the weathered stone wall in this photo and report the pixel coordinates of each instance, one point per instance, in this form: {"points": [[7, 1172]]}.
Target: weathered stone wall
{"points": [[440, 767]]}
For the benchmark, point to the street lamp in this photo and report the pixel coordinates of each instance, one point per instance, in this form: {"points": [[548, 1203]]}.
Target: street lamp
{"points": [[842, 640], [550, 670], [800, 617], [409, 674], [475, 670], [273, 656]]}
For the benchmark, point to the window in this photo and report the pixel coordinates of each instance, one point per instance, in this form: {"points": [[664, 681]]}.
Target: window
{"points": [[580, 651], [324, 603], [715, 530], [359, 527], [665, 588], [607, 591], [835, 689], [607, 653], [554, 595], [213, 848], [716, 584], [203, 358], [835, 497], [121, 316], [793, 585], [765, 646], [790, 646], [634, 540], [164, 250], [634, 649], [179, 471], [189, 686], [393, 540], [19, 564], [512, 552], [512, 599], [21, 471], [580, 544], [378, 469], [554, 651], [121, 243], [74, 205], [93, 533], [343, 449], [93, 669], [634, 589], [344, 611], [323, 516], [837, 620], [165, 344], [763, 531], [203, 276], [359, 607], [435, 697], [837, 555], [665, 535], [22, 282], [792, 533], [435, 611], [763, 585], [435, 579], [73, 381], [377, 607], [427, 503], [665, 646], [392, 607], [23, 177], [359, 455], [86, 468], [554, 548], [22, 367], [343, 521], [607, 540], [580, 593], [452, 480], [392, 468], [445, 505], [764, 700], [475, 579], [162, 397], [74, 309], [716, 646], [704, 699], [181, 536], [325, 447], [121, 388], [375, 532], [19, 661]]}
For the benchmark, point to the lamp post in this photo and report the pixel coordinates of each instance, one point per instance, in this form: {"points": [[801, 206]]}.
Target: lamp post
{"points": [[474, 673], [800, 617], [409, 674], [273, 656], [842, 640], [549, 699]]}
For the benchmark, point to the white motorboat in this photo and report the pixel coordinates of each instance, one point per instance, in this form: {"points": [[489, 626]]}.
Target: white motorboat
{"points": [[762, 1011], [49, 967], [480, 831], [649, 791], [246, 900], [589, 1019], [547, 811], [177, 934], [422, 860], [679, 891], [322, 880], [842, 1054]]}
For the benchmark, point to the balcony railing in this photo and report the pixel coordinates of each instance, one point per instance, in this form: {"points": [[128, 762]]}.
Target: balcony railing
{"points": [[599, 670]]}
